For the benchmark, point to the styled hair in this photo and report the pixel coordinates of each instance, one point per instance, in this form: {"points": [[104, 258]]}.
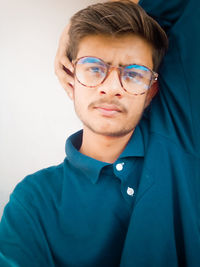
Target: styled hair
{"points": [[116, 19]]}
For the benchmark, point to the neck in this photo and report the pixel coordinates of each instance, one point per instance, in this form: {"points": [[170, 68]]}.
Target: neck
{"points": [[103, 148]]}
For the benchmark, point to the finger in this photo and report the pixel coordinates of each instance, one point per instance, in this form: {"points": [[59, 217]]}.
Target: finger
{"points": [[63, 43], [66, 63], [65, 77], [67, 67], [64, 36], [62, 66], [62, 62], [66, 80]]}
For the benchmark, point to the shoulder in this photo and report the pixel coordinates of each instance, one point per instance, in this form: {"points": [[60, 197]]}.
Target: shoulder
{"points": [[41, 186]]}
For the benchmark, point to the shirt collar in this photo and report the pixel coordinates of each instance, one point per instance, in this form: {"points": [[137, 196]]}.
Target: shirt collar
{"points": [[135, 146], [90, 167]]}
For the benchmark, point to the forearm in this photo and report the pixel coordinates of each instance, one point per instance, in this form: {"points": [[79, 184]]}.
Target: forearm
{"points": [[165, 12], [179, 74]]}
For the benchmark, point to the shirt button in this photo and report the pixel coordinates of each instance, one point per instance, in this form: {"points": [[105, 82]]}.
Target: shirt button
{"points": [[119, 166], [130, 191]]}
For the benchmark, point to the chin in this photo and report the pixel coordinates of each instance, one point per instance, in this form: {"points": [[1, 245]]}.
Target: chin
{"points": [[112, 132]]}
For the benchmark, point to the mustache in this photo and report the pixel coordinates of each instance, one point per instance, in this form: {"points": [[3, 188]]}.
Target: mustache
{"points": [[104, 101]]}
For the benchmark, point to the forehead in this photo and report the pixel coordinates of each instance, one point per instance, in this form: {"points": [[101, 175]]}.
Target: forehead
{"points": [[121, 50]]}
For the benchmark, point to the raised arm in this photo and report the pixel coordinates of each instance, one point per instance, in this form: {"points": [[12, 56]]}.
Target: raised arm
{"points": [[176, 112], [165, 12]]}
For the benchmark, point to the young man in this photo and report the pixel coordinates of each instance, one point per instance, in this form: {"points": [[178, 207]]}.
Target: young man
{"points": [[128, 191]]}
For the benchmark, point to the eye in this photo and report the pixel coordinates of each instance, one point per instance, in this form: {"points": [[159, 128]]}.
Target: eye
{"points": [[132, 75], [96, 70]]}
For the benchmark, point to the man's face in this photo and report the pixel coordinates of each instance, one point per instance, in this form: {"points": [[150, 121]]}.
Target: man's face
{"points": [[108, 109]]}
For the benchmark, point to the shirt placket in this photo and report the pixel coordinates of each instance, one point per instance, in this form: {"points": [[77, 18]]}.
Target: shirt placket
{"points": [[125, 171]]}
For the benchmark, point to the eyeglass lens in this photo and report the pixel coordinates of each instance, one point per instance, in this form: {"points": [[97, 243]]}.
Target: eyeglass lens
{"points": [[91, 72]]}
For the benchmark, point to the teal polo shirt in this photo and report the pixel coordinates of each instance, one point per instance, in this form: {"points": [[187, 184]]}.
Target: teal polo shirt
{"points": [[89, 213], [74, 214]]}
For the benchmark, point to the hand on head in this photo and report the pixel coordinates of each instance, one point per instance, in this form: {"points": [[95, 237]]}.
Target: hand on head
{"points": [[62, 65]]}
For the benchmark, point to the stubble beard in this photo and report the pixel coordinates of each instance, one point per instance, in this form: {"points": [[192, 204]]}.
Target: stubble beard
{"points": [[119, 133], [115, 133]]}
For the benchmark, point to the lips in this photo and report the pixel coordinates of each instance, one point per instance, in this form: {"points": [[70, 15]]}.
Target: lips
{"points": [[108, 110]]}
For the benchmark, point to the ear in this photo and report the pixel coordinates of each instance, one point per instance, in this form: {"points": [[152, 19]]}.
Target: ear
{"points": [[70, 91], [151, 93], [68, 82]]}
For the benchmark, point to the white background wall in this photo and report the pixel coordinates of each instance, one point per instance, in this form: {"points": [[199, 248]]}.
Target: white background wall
{"points": [[36, 115]]}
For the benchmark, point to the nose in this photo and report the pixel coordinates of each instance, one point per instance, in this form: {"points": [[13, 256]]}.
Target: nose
{"points": [[111, 86]]}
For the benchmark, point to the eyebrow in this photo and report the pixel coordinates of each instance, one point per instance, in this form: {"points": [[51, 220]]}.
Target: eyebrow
{"points": [[91, 60], [99, 60], [135, 66]]}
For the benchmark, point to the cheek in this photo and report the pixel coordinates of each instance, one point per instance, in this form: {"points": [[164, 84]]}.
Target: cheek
{"points": [[137, 104], [78, 91], [81, 95]]}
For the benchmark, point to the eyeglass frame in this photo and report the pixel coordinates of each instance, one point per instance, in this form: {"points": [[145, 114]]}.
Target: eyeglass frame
{"points": [[154, 75]]}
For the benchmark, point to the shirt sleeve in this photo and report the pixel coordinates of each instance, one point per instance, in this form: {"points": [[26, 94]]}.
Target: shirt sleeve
{"points": [[22, 240], [176, 109], [5, 262], [165, 12]]}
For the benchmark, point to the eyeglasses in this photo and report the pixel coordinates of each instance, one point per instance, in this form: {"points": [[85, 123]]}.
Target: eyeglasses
{"points": [[92, 71]]}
